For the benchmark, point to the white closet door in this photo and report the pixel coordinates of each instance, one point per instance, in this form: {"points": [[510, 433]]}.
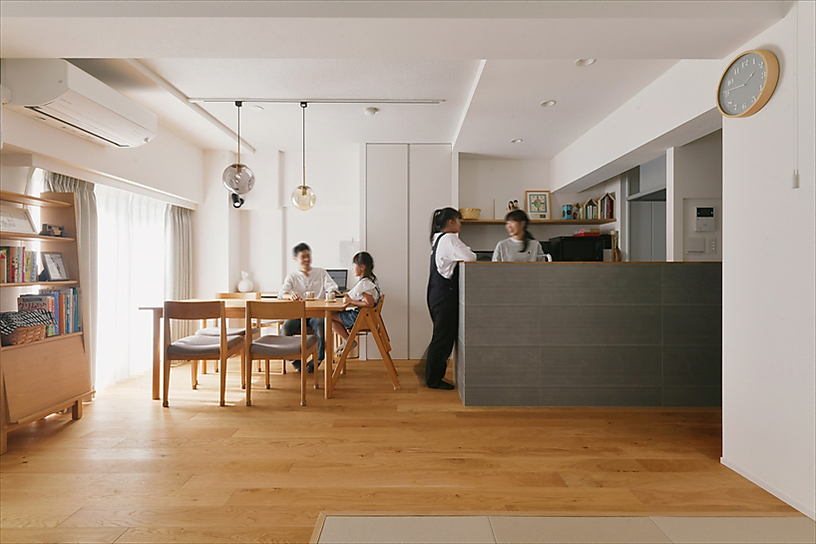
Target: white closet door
{"points": [[429, 173], [386, 214]]}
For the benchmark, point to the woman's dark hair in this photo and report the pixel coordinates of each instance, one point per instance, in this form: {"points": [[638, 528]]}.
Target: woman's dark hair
{"points": [[364, 258], [441, 217], [520, 216], [303, 246]]}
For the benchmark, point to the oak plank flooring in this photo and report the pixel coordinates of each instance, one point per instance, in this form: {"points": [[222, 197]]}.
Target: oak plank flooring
{"points": [[132, 471]]}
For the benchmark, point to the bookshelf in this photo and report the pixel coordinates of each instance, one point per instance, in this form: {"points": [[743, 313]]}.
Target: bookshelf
{"points": [[40, 378]]}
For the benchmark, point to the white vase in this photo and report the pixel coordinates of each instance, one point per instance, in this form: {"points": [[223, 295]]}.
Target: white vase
{"points": [[245, 285]]}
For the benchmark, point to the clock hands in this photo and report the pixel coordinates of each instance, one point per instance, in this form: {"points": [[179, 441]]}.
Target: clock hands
{"points": [[738, 86]]}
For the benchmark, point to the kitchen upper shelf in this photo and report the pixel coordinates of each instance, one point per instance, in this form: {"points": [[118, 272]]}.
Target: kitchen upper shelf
{"points": [[541, 221]]}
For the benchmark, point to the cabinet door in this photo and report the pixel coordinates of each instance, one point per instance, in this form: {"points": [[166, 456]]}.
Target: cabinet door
{"points": [[386, 233]]}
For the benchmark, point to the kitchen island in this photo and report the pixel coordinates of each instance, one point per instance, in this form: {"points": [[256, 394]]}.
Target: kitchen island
{"points": [[589, 334]]}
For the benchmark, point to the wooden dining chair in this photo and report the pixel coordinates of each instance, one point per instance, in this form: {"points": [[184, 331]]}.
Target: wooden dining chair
{"points": [[276, 324], [276, 346], [369, 320], [198, 346], [230, 312]]}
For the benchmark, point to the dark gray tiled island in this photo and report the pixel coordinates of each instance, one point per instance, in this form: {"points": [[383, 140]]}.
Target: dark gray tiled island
{"points": [[590, 334]]}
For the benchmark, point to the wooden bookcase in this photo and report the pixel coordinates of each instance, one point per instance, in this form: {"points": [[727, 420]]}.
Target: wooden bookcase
{"points": [[40, 378]]}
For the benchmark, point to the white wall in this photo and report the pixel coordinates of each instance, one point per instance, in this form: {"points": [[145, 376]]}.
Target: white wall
{"points": [[768, 274], [489, 183], [673, 110], [167, 165], [211, 230], [694, 171]]}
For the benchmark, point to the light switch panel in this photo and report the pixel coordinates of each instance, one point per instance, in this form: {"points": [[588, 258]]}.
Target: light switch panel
{"points": [[711, 245], [695, 245]]}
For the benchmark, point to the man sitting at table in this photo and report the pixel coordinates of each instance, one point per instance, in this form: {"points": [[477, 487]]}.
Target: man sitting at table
{"points": [[314, 281]]}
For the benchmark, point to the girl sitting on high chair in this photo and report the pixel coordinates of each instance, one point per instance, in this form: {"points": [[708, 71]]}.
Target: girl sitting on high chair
{"points": [[365, 294]]}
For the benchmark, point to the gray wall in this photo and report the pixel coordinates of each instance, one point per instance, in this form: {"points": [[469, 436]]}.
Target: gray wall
{"points": [[590, 334]]}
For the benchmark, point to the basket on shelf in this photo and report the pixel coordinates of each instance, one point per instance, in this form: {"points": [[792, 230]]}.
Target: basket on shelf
{"points": [[470, 213], [24, 335]]}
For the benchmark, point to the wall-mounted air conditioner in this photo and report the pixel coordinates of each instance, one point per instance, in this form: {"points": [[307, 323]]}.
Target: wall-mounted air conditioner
{"points": [[58, 93]]}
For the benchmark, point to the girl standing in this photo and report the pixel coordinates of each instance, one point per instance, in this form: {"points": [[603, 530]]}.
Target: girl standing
{"points": [[443, 292], [365, 294], [521, 246]]}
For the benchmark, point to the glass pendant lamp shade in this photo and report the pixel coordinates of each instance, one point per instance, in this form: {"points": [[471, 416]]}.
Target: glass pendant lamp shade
{"points": [[238, 178], [303, 197]]}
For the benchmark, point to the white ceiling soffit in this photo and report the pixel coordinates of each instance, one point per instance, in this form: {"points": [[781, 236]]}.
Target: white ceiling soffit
{"points": [[390, 50], [407, 29]]}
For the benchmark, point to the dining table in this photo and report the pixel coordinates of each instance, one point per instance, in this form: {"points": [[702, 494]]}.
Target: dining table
{"points": [[314, 308]]}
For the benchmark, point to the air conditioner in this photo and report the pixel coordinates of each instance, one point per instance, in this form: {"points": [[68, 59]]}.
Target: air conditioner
{"points": [[58, 93]]}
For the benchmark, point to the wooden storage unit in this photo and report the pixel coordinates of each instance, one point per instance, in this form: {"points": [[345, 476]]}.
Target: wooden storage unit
{"points": [[40, 378]]}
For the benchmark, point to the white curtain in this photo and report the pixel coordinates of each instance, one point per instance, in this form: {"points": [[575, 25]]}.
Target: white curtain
{"points": [[132, 246], [179, 262], [87, 228]]}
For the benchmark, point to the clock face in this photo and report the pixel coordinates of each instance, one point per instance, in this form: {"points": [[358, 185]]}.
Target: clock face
{"points": [[743, 84]]}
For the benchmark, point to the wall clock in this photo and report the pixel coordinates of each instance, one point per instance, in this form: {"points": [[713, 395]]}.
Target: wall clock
{"points": [[748, 83]]}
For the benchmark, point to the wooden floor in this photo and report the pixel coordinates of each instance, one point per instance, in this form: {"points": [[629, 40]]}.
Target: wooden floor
{"points": [[132, 471]]}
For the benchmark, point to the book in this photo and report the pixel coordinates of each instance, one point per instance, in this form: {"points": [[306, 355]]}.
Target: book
{"points": [[27, 303]]}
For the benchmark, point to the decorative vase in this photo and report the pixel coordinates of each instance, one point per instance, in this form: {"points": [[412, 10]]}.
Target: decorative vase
{"points": [[245, 285]]}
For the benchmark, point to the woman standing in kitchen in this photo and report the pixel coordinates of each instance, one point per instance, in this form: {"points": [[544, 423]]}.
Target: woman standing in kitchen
{"points": [[443, 292], [521, 246]]}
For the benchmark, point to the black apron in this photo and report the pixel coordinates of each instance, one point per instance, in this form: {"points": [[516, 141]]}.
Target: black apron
{"points": [[441, 290]]}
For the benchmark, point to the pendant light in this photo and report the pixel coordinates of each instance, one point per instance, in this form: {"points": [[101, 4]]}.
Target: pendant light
{"points": [[303, 197], [238, 178]]}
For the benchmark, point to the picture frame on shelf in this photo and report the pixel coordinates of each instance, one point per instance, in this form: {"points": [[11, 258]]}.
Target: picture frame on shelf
{"points": [[16, 220], [54, 266], [537, 204]]}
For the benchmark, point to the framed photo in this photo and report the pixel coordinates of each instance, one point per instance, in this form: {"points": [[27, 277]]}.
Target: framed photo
{"points": [[16, 220], [53, 266], [537, 204]]}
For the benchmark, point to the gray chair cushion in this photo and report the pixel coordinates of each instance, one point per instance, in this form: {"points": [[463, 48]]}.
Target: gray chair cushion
{"points": [[279, 346], [216, 331], [199, 345]]}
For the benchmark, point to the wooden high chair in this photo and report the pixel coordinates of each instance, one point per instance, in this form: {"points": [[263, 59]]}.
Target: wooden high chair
{"points": [[369, 320]]}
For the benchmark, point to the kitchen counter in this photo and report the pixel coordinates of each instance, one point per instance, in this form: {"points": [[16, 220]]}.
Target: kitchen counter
{"points": [[590, 334]]}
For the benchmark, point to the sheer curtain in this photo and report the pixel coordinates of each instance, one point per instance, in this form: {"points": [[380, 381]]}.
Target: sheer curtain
{"points": [[179, 262], [87, 225], [132, 265]]}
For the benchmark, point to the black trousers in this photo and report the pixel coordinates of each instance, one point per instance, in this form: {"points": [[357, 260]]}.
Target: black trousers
{"points": [[445, 316]]}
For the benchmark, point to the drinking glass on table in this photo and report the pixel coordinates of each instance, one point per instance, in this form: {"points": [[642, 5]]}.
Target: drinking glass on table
{"points": [[309, 295]]}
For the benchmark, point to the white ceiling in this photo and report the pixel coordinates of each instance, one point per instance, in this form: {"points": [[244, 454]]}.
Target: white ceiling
{"points": [[490, 62]]}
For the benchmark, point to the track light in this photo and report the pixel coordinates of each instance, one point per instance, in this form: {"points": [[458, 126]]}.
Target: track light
{"points": [[237, 201]]}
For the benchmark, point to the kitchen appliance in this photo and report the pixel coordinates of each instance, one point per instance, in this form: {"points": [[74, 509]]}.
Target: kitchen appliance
{"points": [[579, 248]]}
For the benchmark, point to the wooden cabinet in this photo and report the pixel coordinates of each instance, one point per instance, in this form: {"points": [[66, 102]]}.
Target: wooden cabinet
{"points": [[40, 378]]}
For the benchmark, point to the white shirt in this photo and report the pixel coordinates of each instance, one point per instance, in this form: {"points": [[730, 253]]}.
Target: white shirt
{"points": [[365, 285], [450, 250], [512, 250], [318, 281]]}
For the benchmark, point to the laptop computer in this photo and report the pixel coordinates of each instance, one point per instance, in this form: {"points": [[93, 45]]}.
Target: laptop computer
{"points": [[340, 277]]}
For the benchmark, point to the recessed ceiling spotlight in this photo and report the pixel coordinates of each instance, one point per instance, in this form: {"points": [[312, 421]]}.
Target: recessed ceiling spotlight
{"points": [[516, 141], [547, 103], [584, 62], [371, 110]]}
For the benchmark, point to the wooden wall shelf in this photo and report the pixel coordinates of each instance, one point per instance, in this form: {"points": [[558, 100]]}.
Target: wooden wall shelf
{"points": [[542, 221], [41, 284], [35, 237], [28, 200]]}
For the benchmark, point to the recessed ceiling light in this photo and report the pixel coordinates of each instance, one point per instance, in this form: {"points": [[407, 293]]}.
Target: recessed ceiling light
{"points": [[547, 103], [584, 62], [371, 110], [516, 141]]}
